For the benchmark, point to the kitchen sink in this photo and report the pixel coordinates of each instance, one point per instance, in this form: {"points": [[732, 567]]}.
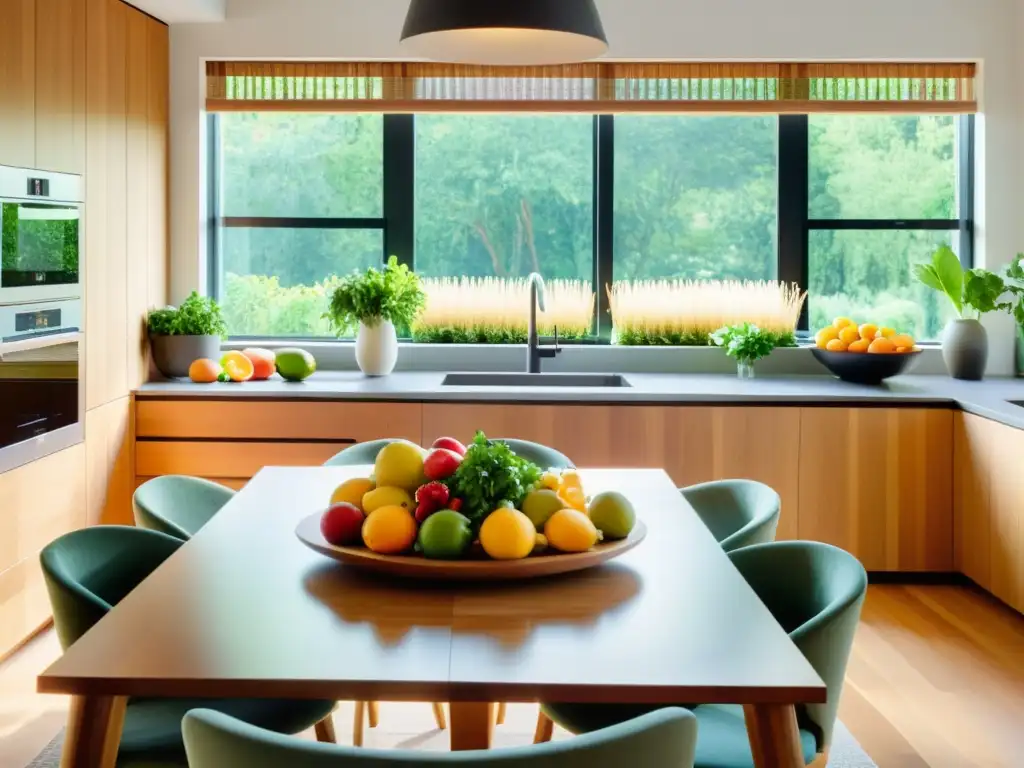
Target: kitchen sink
{"points": [[569, 380]]}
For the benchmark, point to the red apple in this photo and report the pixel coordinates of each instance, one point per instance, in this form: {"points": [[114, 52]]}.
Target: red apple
{"points": [[441, 463], [342, 524], [451, 444]]}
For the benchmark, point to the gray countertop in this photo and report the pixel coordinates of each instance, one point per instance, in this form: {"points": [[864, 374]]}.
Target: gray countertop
{"points": [[989, 398]]}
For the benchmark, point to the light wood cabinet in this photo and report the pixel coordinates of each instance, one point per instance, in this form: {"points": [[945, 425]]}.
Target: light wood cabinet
{"points": [[693, 444], [878, 482], [60, 88], [989, 506], [18, 78]]}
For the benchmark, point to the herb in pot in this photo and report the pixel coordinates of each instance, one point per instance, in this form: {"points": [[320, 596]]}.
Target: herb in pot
{"points": [[393, 295], [745, 343], [491, 475], [197, 316]]}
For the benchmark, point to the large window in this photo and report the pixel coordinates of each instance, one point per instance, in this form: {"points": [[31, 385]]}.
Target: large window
{"points": [[841, 204]]}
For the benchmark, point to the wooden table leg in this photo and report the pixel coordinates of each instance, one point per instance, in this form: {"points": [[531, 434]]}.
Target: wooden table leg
{"points": [[472, 723], [94, 732], [774, 736]]}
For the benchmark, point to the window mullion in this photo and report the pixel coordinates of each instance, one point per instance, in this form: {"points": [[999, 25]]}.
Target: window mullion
{"points": [[793, 204], [399, 188], [604, 225], [965, 189]]}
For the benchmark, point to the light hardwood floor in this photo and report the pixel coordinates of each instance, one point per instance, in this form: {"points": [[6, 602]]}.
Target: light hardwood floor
{"points": [[936, 681]]}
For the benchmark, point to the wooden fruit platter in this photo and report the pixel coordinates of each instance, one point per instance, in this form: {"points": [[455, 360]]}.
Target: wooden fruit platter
{"points": [[472, 569]]}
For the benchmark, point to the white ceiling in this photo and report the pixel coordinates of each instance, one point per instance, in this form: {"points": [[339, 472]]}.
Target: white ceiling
{"points": [[183, 11]]}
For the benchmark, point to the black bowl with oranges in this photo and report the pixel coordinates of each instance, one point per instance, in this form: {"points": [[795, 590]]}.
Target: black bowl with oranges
{"points": [[864, 354]]}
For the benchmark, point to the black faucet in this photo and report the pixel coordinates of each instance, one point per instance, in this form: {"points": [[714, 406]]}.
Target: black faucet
{"points": [[534, 351]]}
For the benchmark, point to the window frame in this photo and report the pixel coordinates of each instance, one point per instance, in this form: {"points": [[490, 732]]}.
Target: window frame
{"points": [[794, 222]]}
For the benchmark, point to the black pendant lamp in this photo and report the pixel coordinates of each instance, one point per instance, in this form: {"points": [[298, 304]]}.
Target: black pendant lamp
{"points": [[504, 32]]}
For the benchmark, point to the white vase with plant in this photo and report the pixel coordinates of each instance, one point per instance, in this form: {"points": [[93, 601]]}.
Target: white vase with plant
{"points": [[972, 293], [375, 302]]}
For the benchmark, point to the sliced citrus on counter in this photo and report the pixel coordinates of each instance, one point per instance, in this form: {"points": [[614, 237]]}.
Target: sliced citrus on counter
{"points": [[237, 366]]}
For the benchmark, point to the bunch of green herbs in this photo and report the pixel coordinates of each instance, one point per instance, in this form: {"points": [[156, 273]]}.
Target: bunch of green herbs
{"points": [[745, 342], [492, 475], [392, 294], [197, 316]]}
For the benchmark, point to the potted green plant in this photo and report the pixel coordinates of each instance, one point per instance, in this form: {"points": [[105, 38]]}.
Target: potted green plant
{"points": [[181, 335], [746, 343], [972, 293], [376, 301]]}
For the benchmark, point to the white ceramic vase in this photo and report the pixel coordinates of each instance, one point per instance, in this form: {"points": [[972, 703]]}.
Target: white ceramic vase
{"points": [[377, 348]]}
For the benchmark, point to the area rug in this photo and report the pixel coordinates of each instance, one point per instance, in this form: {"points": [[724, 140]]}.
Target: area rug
{"points": [[846, 752]]}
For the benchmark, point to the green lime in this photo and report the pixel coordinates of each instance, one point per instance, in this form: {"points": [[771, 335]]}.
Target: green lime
{"points": [[295, 364], [223, 378], [445, 535], [540, 505], [612, 514]]}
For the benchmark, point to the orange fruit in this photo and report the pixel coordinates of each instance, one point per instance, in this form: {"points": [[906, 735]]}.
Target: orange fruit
{"points": [[849, 334], [886, 331], [204, 371], [836, 345], [825, 335], [868, 331], [903, 350], [389, 530], [263, 362], [860, 345], [882, 346], [903, 340], [237, 366], [841, 322]]}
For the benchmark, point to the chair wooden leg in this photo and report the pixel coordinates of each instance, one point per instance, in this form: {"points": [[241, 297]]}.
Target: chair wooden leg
{"points": [[500, 719], [439, 718], [545, 729], [373, 709], [325, 730], [357, 724]]}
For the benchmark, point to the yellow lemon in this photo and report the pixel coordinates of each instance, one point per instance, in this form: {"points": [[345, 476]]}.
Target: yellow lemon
{"points": [[352, 491], [400, 464], [825, 335], [886, 331], [868, 331], [507, 534], [574, 498], [387, 497], [570, 479], [849, 334], [836, 345], [389, 530], [571, 531], [841, 322], [550, 480], [903, 340]]}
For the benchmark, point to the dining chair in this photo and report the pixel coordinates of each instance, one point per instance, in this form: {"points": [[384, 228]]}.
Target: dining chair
{"points": [[89, 571], [738, 513], [541, 455], [815, 591], [359, 453], [663, 739], [178, 505]]}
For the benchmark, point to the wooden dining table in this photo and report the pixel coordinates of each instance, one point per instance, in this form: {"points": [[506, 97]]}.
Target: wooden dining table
{"points": [[244, 609]]}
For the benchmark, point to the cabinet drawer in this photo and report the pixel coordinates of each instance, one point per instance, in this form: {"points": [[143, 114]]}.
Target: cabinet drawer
{"points": [[221, 419], [226, 460]]}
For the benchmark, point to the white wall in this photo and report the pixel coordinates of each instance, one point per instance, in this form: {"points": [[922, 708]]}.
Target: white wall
{"points": [[976, 30]]}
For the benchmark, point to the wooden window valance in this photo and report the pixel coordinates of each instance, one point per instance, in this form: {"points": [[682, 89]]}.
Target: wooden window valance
{"points": [[607, 87]]}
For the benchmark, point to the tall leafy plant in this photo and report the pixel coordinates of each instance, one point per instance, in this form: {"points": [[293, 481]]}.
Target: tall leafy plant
{"points": [[392, 294], [197, 316], [972, 292]]}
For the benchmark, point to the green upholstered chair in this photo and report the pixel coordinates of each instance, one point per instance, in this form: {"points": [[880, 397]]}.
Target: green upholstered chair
{"points": [[89, 571], [815, 591], [738, 512], [178, 505], [541, 455], [663, 739], [360, 453]]}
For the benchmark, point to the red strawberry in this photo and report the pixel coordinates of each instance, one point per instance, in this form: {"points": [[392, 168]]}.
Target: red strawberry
{"points": [[435, 493], [455, 504]]}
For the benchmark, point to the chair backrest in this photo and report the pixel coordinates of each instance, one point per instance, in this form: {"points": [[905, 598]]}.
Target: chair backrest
{"points": [[541, 455], [662, 739], [738, 512], [360, 453], [178, 505], [89, 571], [815, 591]]}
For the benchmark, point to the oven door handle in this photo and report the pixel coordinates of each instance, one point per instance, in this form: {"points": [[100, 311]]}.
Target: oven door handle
{"points": [[40, 420]]}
